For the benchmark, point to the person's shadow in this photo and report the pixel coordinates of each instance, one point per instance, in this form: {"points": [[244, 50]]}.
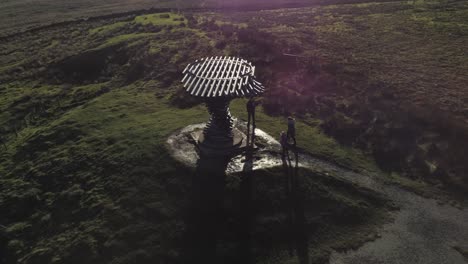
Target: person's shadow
{"points": [[247, 210], [299, 239]]}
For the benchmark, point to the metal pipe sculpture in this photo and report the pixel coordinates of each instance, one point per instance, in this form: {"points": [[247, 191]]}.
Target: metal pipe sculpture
{"points": [[218, 80]]}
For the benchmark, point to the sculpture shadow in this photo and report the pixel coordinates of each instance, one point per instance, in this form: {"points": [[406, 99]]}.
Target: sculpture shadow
{"points": [[221, 226], [205, 212]]}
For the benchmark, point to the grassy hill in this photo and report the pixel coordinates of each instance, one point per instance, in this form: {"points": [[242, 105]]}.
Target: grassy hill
{"points": [[86, 107], [85, 174], [20, 15]]}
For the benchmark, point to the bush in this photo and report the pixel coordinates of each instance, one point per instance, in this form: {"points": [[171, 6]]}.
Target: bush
{"points": [[182, 99], [221, 44]]}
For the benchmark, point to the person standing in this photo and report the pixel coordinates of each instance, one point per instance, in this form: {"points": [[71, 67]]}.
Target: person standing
{"points": [[292, 129], [251, 104]]}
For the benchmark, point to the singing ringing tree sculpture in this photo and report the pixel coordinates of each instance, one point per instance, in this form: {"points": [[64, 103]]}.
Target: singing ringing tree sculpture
{"points": [[218, 80]]}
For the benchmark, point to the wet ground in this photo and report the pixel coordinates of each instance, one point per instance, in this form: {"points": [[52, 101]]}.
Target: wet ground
{"points": [[423, 230]]}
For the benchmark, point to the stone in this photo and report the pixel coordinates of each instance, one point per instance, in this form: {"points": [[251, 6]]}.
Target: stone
{"points": [[222, 145]]}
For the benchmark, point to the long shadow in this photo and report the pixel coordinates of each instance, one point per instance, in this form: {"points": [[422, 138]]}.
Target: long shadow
{"points": [[206, 221], [207, 218], [206, 210], [246, 210], [246, 216], [299, 240]]}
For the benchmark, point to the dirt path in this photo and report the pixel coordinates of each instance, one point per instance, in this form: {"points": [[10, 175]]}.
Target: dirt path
{"points": [[423, 231]]}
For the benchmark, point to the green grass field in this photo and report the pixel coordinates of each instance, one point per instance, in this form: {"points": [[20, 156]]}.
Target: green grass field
{"points": [[105, 161], [86, 108]]}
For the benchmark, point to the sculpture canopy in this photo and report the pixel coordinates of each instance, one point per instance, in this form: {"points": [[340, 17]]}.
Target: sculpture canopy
{"points": [[217, 77]]}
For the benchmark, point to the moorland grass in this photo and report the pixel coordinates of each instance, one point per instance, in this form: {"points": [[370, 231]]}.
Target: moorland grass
{"points": [[106, 160], [98, 148], [107, 28], [124, 38], [161, 19], [309, 138]]}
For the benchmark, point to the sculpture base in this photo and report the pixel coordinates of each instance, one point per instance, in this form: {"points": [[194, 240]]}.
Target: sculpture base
{"points": [[185, 148], [220, 145]]}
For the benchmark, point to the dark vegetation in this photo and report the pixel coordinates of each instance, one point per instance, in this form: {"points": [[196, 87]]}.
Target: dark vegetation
{"points": [[360, 69], [86, 106], [21, 15]]}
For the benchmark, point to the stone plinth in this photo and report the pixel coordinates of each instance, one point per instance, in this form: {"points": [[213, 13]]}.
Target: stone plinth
{"points": [[220, 145], [188, 147]]}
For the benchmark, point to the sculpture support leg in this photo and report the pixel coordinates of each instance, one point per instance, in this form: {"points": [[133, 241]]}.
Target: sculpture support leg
{"points": [[221, 123], [219, 136]]}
